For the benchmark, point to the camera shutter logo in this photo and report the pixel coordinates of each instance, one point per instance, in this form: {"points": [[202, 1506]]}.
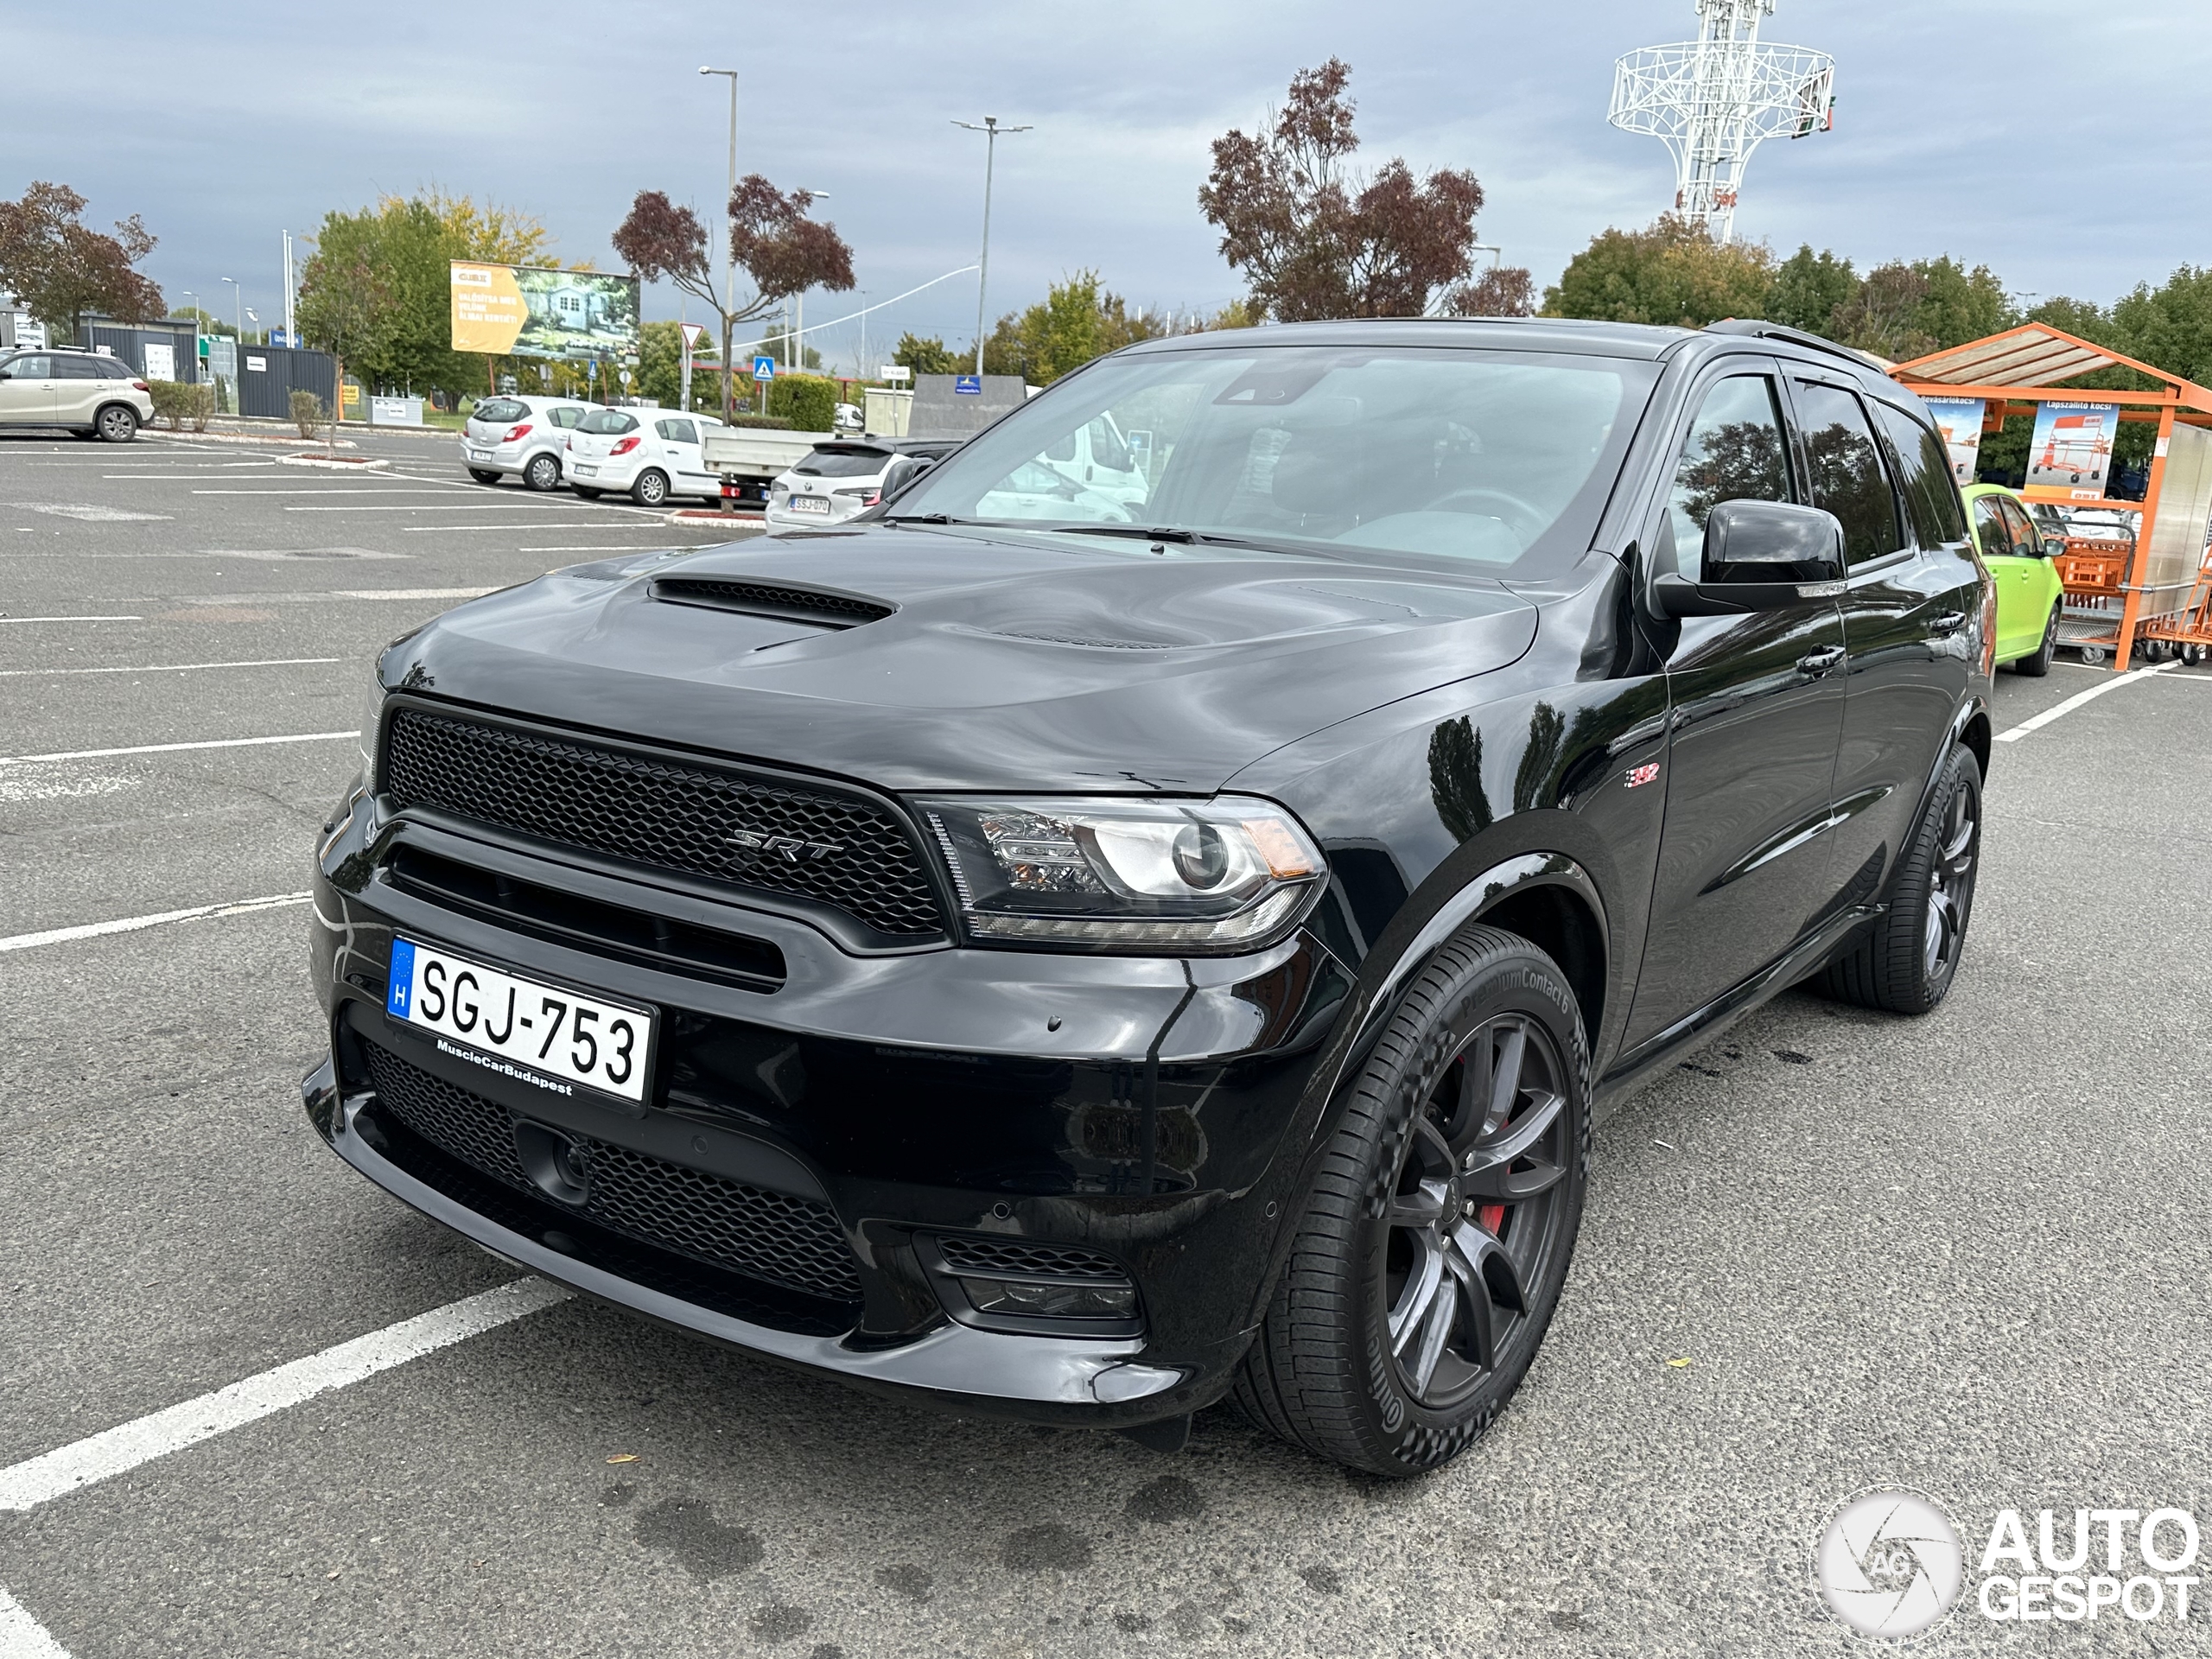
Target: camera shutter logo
{"points": [[1889, 1563]]}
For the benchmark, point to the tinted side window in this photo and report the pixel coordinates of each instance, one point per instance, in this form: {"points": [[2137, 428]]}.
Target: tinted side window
{"points": [[1990, 530], [77, 368], [1846, 472], [567, 415], [1930, 498], [677, 431], [1735, 453]]}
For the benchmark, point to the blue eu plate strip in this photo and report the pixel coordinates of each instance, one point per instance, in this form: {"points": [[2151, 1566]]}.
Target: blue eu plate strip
{"points": [[402, 984]]}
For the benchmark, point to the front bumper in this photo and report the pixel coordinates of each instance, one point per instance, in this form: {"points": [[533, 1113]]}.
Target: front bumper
{"points": [[1134, 1109]]}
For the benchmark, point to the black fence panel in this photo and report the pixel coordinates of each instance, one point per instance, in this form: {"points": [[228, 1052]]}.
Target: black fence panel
{"points": [[268, 376], [149, 348]]}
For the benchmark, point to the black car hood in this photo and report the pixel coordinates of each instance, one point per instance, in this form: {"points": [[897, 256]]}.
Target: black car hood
{"points": [[1009, 663]]}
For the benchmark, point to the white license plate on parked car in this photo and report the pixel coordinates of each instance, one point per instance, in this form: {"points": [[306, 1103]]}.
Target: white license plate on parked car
{"points": [[544, 1034], [809, 504], [479, 454], [582, 469]]}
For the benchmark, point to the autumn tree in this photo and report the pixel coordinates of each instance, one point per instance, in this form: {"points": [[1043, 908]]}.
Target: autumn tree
{"points": [[1672, 272], [1316, 238], [1808, 288], [929, 356], [781, 250], [1501, 291], [61, 269]]}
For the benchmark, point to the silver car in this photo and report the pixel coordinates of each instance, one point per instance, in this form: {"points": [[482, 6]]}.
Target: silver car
{"points": [[840, 480], [519, 437]]}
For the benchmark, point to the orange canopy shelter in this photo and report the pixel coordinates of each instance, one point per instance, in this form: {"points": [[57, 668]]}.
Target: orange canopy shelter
{"points": [[2161, 588]]}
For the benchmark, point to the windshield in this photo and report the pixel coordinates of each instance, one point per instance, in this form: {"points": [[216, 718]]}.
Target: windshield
{"points": [[1497, 459], [608, 422]]}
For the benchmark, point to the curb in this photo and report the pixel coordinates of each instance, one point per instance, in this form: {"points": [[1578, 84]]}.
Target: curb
{"points": [[238, 437], [335, 463]]}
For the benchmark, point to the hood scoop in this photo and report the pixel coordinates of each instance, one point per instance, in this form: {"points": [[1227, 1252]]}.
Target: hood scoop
{"points": [[819, 607]]}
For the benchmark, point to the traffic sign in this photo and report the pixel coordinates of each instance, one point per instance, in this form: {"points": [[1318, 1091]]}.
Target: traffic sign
{"points": [[764, 368], [694, 333], [971, 385]]}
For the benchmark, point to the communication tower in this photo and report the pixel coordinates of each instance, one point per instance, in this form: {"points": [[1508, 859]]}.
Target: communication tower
{"points": [[1712, 100]]}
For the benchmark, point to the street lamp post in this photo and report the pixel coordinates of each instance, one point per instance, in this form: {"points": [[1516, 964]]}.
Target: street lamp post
{"points": [[990, 130], [729, 250], [238, 314]]}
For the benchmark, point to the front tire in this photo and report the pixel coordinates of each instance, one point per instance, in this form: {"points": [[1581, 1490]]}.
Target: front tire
{"points": [[2036, 662], [650, 489], [1906, 962], [116, 424], [543, 473], [1430, 1256]]}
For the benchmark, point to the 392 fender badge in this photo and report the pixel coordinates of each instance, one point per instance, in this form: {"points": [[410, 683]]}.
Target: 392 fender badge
{"points": [[1639, 776]]}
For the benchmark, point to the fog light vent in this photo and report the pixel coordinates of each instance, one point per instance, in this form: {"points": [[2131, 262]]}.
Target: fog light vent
{"points": [[1017, 1284]]}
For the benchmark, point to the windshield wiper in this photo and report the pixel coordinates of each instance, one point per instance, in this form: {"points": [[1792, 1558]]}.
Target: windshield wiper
{"points": [[923, 518], [1135, 532]]}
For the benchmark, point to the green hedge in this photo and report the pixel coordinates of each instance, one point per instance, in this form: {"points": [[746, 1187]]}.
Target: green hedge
{"points": [[809, 402], [177, 402]]}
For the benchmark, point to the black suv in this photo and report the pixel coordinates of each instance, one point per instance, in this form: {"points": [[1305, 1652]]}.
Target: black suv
{"points": [[1078, 959]]}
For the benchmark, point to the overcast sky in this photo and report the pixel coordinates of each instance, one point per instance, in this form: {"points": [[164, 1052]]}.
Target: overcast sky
{"points": [[2019, 133]]}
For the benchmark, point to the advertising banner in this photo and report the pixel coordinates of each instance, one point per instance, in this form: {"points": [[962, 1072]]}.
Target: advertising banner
{"points": [[1959, 419], [2072, 448], [542, 311]]}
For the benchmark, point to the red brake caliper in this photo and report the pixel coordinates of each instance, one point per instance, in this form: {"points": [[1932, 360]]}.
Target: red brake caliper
{"points": [[1492, 1217]]}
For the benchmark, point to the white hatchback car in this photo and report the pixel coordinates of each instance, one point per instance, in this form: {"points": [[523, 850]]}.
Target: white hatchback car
{"points": [[839, 480], [651, 454], [518, 437]]}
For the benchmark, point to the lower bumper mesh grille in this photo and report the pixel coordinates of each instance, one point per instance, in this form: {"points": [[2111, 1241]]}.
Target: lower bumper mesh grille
{"points": [[791, 1242]]}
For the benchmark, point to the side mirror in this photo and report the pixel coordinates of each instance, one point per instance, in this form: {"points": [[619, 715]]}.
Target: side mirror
{"points": [[1758, 556], [2053, 546]]}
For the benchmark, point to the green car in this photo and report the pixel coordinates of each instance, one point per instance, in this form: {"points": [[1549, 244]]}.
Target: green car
{"points": [[2018, 548]]}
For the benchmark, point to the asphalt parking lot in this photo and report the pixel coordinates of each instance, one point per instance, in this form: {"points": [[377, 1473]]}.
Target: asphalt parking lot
{"points": [[1965, 1254]]}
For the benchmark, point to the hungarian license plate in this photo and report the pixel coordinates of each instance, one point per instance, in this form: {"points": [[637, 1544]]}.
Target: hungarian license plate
{"points": [[581, 468], [548, 1036], [809, 504], [479, 454]]}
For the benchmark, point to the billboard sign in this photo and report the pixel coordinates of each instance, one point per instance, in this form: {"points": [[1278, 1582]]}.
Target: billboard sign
{"points": [[544, 311], [1959, 419], [2072, 448]]}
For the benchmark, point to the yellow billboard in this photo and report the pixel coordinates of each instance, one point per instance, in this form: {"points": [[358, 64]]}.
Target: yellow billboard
{"points": [[544, 311]]}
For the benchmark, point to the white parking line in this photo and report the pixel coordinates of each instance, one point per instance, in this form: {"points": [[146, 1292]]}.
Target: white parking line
{"points": [[174, 748], [325, 490], [496, 530], [133, 924], [72, 619], [168, 668], [2038, 721], [22, 1637], [118, 1450], [412, 593]]}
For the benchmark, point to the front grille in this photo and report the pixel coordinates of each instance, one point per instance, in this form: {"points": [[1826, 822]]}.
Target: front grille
{"points": [[965, 1253], [840, 850], [770, 1236]]}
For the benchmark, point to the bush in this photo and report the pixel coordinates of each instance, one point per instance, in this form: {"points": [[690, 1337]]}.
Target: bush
{"points": [[767, 422], [809, 402], [176, 402], [307, 412]]}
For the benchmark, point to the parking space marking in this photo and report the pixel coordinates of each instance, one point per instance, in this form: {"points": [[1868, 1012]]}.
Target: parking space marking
{"points": [[118, 1450], [2037, 721], [327, 489], [176, 748], [22, 1637], [169, 668], [134, 923], [411, 592], [72, 619]]}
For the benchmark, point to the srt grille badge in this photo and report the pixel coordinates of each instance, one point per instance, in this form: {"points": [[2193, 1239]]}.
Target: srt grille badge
{"points": [[790, 849]]}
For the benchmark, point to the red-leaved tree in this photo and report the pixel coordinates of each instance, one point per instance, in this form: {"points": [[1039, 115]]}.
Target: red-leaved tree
{"points": [[1316, 240], [61, 268], [779, 249], [1501, 291]]}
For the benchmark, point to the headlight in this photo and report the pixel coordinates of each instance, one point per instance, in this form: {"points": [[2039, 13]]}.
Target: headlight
{"points": [[372, 723], [1231, 874]]}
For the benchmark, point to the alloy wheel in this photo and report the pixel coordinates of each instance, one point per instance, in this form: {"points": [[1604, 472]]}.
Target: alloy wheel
{"points": [[1472, 1221], [1950, 885]]}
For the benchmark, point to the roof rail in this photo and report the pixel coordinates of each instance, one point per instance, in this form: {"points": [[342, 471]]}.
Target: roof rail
{"points": [[1795, 336]]}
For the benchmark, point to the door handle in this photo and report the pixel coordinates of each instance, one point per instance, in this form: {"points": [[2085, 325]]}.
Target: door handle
{"points": [[1946, 625], [1818, 663]]}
